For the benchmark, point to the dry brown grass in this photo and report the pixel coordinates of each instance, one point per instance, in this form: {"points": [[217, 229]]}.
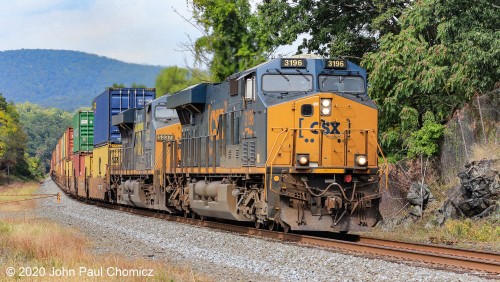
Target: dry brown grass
{"points": [[36, 244], [487, 151], [17, 203]]}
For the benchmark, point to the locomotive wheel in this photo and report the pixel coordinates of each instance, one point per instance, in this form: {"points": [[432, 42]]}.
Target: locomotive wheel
{"points": [[186, 214], [271, 225]]}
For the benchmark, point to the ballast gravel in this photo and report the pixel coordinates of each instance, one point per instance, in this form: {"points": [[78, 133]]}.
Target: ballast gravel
{"points": [[221, 255]]}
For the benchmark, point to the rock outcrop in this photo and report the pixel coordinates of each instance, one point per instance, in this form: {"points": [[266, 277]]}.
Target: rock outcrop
{"points": [[478, 194]]}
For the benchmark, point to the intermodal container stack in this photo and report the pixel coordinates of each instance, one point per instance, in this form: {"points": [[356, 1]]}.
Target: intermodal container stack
{"points": [[83, 143], [83, 131]]}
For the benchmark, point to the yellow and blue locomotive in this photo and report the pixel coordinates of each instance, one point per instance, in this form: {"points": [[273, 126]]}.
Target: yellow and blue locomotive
{"points": [[290, 143]]}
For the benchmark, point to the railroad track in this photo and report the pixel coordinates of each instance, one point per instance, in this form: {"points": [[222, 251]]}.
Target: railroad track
{"points": [[484, 264]]}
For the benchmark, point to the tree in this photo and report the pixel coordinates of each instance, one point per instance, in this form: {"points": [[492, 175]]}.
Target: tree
{"points": [[425, 141], [44, 126], [173, 79], [231, 42], [336, 28], [12, 140], [446, 51]]}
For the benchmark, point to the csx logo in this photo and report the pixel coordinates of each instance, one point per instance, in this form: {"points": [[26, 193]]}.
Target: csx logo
{"points": [[328, 127]]}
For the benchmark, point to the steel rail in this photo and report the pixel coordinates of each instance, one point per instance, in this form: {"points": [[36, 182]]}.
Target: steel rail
{"points": [[432, 255], [473, 254]]}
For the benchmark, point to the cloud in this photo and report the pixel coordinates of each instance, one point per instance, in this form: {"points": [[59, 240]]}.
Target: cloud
{"points": [[146, 31]]}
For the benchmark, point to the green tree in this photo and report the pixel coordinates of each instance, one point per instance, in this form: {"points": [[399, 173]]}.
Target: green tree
{"points": [[231, 42], [173, 79], [12, 140], [335, 27], [446, 51], [425, 141], [44, 127]]}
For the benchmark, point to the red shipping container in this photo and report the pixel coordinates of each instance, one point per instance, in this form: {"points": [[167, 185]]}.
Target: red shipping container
{"points": [[58, 151], [69, 143], [79, 165]]}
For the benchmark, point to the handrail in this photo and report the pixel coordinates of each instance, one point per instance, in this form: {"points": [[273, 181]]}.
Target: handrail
{"points": [[275, 141], [386, 170], [275, 155]]}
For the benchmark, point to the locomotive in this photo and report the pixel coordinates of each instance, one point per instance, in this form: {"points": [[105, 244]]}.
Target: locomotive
{"points": [[290, 143]]}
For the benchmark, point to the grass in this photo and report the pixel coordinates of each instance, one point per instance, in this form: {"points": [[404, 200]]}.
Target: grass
{"points": [[35, 243], [487, 151], [44, 244], [17, 203], [482, 234]]}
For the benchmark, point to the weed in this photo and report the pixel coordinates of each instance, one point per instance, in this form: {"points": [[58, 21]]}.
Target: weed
{"points": [[486, 151], [31, 242]]}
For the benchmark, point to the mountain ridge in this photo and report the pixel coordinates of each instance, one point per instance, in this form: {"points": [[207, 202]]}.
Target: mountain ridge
{"points": [[65, 79]]}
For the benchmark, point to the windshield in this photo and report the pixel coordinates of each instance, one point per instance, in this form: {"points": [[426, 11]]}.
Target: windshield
{"points": [[162, 112], [337, 83], [287, 82]]}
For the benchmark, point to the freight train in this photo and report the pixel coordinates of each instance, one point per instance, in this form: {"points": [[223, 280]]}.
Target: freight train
{"points": [[290, 144]]}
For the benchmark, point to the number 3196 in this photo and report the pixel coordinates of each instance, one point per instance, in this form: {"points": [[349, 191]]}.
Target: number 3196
{"points": [[293, 63]]}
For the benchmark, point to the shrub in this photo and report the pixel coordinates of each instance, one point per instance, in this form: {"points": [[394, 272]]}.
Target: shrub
{"points": [[425, 141]]}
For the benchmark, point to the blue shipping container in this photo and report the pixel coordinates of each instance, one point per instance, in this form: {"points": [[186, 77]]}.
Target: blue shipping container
{"points": [[112, 102]]}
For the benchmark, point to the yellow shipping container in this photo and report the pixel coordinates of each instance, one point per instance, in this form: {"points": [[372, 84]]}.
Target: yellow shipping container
{"points": [[88, 165], [100, 160], [99, 182]]}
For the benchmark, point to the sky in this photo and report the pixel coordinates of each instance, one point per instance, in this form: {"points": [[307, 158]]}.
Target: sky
{"points": [[134, 31]]}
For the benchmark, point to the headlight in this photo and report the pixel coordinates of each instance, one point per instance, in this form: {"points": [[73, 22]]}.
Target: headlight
{"points": [[326, 102], [326, 107], [361, 160], [303, 160]]}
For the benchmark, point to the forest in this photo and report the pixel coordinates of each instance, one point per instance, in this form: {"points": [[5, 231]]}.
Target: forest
{"points": [[28, 134]]}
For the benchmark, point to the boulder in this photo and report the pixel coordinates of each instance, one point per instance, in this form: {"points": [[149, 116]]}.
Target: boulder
{"points": [[416, 211], [478, 194], [414, 195]]}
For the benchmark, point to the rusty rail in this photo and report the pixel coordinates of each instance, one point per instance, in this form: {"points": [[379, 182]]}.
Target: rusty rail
{"points": [[472, 254]]}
